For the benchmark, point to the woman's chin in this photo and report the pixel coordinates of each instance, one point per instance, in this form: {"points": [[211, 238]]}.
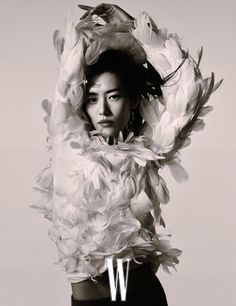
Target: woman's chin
{"points": [[108, 132]]}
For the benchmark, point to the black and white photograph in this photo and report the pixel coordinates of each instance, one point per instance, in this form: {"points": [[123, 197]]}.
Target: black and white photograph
{"points": [[118, 153]]}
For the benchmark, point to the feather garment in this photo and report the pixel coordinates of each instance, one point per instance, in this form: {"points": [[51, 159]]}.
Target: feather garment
{"points": [[104, 201], [185, 93]]}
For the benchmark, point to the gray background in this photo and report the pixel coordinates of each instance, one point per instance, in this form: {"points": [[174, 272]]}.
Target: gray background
{"points": [[201, 213]]}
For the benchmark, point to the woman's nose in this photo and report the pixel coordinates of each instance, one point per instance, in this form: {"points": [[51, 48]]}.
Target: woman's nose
{"points": [[104, 107]]}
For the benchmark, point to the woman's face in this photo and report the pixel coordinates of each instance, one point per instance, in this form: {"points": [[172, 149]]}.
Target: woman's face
{"points": [[107, 104]]}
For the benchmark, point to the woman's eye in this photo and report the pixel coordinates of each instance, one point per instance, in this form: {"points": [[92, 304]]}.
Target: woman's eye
{"points": [[91, 100], [114, 97]]}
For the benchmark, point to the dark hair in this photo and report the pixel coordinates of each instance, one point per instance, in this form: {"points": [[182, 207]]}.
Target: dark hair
{"points": [[138, 81]]}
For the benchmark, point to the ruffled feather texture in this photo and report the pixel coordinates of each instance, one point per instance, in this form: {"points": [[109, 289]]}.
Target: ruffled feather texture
{"points": [[44, 188], [69, 93], [105, 200], [185, 93], [100, 205]]}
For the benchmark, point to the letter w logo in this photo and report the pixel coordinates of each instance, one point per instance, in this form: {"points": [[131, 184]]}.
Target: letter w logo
{"points": [[119, 274]]}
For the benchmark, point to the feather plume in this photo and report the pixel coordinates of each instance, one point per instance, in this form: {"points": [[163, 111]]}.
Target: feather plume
{"points": [[58, 42], [185, 93]]}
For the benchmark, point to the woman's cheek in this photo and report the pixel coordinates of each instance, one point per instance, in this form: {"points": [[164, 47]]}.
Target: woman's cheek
{"points": [[125, 113], [92, 113]]}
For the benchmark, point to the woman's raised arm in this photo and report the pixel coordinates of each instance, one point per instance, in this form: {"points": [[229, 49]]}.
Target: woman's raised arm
{"points": [[69, 88]]}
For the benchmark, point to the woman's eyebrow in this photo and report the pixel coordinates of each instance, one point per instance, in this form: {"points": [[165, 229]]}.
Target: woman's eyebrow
{"points": [[91, 92], [113, 89]]}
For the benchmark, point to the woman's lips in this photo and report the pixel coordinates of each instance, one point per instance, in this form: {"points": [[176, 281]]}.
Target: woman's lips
{"points": [[106, 123]]}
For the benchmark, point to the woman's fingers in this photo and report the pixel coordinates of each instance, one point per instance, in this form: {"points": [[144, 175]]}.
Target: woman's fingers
{"points": [[111, 13], [84, 16], [108, 12], [85, 8], [103, 8]]}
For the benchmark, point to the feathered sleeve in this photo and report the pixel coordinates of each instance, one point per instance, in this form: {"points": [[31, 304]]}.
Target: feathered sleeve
{"points": [[69, 89], [62, 113], [171, 118]]}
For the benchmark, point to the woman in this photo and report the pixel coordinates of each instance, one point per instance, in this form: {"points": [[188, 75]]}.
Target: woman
{"points": [[126, 100], [115, 85]]}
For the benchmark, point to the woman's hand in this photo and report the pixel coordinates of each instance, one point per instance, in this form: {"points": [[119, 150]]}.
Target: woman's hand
{"points": [[110, 13]]}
